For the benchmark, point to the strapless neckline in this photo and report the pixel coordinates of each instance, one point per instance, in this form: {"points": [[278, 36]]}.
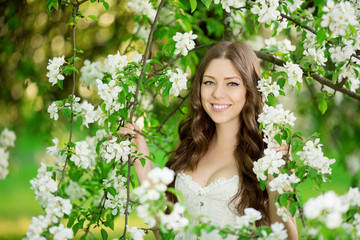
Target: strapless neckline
{"points": [[216, 182]]}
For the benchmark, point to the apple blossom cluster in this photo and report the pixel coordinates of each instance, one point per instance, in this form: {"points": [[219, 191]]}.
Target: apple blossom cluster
{"points": [[151, 208], [271, 162], [294, 72], [267, 87], [184, 42], [329, 208], [81, 156], [338, 16], [250, 217], [278, 232], [350, 72], [54, 74], [55, 207], [85, 110], [313, 156], [116, 202], [116, 152], [274, 120], [7, 139], [283, 212], [110, 94], [135, 233], [114, 64], [90, 71], [282, 182], [313, 51], [283, 46], [179, 81], [227, 4], [142, 7], [266, 10], [74, 191]]}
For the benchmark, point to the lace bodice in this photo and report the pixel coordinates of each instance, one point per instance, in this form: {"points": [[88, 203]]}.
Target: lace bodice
{"points": [[210, 202]]}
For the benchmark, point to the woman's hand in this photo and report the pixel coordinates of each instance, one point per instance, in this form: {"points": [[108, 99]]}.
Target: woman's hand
{"points": [[142, 150], [284, 149]]}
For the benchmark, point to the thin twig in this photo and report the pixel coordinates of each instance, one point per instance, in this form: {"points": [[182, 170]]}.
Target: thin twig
{"points": [[75, 9], [127, 199], [135, 102], [172, 113]]}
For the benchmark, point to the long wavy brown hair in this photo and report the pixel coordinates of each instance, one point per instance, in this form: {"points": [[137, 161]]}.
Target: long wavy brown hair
{"points": [[197, 130]]}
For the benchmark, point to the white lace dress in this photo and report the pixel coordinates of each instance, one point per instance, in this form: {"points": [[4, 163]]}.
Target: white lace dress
{"points": [[211, 202]]}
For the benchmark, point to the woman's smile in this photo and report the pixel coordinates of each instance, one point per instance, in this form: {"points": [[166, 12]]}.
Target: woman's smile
{"points": [[223, 92]]}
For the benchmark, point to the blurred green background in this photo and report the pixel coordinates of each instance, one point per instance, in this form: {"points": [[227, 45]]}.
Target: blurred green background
{"points": [[29, 36]]}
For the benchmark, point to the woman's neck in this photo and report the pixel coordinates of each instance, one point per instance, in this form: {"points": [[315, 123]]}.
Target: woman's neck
{"points": [[225, 136]]}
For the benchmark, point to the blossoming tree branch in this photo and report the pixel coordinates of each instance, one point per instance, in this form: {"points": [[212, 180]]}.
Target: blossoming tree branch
{"points": [[91, 182]]}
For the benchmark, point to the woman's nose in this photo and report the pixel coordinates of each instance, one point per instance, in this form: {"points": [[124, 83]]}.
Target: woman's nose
{"points": [[219, 91]]}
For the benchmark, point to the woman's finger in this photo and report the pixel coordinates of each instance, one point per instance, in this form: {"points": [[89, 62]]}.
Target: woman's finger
{"points": [[125, 131]]}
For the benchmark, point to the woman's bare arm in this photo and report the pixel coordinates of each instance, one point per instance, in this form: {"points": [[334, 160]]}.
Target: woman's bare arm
{"points": [[139, 140]]}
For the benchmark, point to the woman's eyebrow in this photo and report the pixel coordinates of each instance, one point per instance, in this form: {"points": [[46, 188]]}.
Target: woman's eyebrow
{"points": [[227, 78]]}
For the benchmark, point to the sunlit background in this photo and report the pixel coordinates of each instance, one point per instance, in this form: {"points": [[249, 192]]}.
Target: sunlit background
{"points": [[29, 36]]}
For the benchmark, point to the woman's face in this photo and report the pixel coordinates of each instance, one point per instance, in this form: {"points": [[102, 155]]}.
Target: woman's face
{"points": [[223, 93]]}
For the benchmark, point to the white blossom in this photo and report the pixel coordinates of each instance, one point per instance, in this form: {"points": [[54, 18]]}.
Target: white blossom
{"points": [[61, 232], [175, 220], [282, 46], [282, 182], [74, 191], [338, 16], [90, 71], [53, 110], [88, 113], [56, 207], [282, 212], [114, 64], [316, 55], [135, 233], [267, 87], [327, 207], [271, 162], [266, 10], [43, 185], [227, 4], [54, 73], [117, 152], [7, 138], [278, 231], [110, 94], [81, 155], [179, 81], [36, 227], [118, 202], [4, 157], [294, 72], [313, 156], [353, 163], [142, 7], [184, 42], [54, 150]]}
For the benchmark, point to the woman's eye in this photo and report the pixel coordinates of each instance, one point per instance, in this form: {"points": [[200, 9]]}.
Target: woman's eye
{"points": [[232, 84], [208, 83]]}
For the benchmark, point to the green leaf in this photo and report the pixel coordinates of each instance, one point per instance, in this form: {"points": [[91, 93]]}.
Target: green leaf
{"points": [[292, 208], [66, 112], [320, 35], [278, 138], [60, 84], [93, 17], [51, 4], [353, 29], [309, 80], [262, 185], [104, 234], [193, 5], [111, 190], [322, 105], [283, 199], [106, 5], [206, 3]]}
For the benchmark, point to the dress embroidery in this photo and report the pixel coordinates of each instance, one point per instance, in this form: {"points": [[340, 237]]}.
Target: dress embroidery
{"points": [[210, 203]]}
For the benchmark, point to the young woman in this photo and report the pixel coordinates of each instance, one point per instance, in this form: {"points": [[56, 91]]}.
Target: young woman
{"points": [[219, 141]]}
